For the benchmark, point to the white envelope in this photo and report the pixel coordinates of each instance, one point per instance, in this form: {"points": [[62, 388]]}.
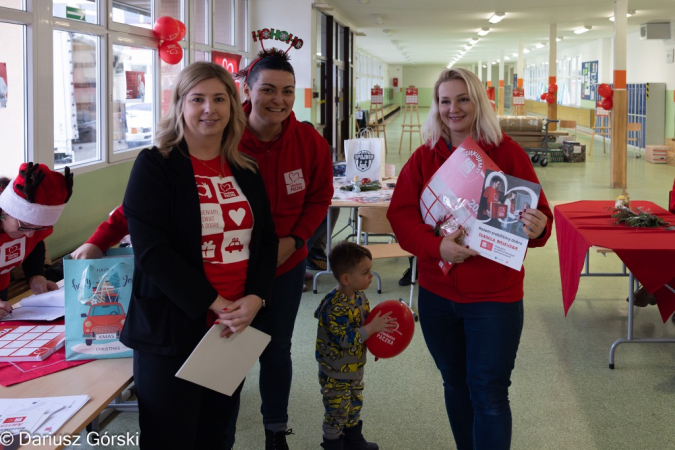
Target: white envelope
{"points": [[221, 364]]}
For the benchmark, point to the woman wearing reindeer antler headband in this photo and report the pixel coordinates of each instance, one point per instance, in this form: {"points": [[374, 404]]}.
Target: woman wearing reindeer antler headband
{"points": [[30, 205], [297, 170]]}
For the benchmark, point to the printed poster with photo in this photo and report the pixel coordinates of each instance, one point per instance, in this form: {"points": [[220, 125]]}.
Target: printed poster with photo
{"points": [[4, 90], [135, 85], [468, 190]]}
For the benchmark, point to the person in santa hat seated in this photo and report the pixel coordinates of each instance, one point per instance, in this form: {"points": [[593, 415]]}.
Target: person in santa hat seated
{"points": [[30, 205]]}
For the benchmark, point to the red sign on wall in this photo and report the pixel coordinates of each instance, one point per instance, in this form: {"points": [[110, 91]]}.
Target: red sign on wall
{"points": [[229, 61]]}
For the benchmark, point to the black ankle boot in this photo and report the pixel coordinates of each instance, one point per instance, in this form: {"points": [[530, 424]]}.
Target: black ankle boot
{"points": [[354, 439], [333, 444], [276, 440]]}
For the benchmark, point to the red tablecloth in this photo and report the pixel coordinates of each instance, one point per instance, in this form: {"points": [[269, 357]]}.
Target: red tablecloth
{"points": [[649, 253], [18, 372]]}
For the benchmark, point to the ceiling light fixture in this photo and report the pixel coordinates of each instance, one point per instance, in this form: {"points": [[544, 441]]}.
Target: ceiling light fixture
{"points": [[484, 66], [473, 41], [559, 38], [539, 45], [628, 14], [358, 33], [526, 50], [394, 41], [362, 2], [322, 6], [467, 47], [377, 19], [583, 29], [506, 58], [515, 55], [496, 17], [483, 31], [386, 31]]}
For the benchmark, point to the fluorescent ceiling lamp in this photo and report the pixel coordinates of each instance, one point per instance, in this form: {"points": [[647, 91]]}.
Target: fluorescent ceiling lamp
{"points": [[362, 2], [583, 29], [484, 66], [394, 41], [386, 31], [628, 14], [539, 45], [526, 50], [558, 39], [467, 47], [483, 31], [377, 19], [515, 55], [493, 63], [358, 33], [496, 17], [506, 58], [473, 41]]}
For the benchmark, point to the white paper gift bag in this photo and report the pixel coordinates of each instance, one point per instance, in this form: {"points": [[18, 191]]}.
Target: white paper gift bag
{"points": [[365, 158]]}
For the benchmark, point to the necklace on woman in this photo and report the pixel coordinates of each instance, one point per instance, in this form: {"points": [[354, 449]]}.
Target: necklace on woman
{"points": [[220, 174]]}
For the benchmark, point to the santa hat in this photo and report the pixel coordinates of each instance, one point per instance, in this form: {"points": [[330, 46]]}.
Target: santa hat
{"points": [[38, 195]]}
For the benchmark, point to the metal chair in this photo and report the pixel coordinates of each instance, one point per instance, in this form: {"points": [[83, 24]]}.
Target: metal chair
{"points": [[373, 220]]}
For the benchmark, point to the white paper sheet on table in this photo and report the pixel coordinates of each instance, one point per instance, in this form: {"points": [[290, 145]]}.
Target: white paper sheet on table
{"points": [[50, 412], [47, 306], [221, 364]]}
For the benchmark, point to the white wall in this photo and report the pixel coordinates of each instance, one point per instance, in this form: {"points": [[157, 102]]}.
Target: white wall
{"points": [[296, 17], [422, 76]]}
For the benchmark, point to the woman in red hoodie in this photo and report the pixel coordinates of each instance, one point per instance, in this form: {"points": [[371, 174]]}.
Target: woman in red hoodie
{"points": [[471, 318], [297, 171]]}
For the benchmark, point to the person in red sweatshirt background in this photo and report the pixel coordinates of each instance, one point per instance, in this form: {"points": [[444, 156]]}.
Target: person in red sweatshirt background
{"points": [[295, 163], [471, 318], [297, 170]]}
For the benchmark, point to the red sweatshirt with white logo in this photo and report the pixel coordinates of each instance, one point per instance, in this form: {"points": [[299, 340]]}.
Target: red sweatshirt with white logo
{"points": [[298, 174], [476, 279]]}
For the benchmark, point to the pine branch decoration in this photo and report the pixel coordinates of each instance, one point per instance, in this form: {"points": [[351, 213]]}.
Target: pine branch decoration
{"points": [[642, 218]]}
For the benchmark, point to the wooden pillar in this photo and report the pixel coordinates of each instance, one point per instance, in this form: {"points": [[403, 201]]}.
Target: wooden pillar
{"points": [[619, 152]]}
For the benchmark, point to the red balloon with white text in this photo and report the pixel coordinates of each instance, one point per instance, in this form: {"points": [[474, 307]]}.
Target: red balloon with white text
{"points": [[166, 28], [391, 342], [170, 52]]}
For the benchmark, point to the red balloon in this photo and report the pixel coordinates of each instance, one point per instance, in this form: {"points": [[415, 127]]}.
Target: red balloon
{"points": [[552, 89], [605, 91], [550, 98], [543, 96], [166, 28], [170, 52], [607, 104], [181, 30], [387, 344]]}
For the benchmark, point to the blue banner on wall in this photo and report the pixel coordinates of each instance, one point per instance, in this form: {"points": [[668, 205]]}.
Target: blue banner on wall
{"points": [[589, 77]]}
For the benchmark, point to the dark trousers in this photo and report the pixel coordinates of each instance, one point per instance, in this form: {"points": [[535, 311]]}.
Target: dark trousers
{"points": [[276, 369], [474, 346], [175, 413]]}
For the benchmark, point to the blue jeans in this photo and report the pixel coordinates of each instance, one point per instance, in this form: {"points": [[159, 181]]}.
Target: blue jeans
{"points": [[474, 346], [276, 371]]}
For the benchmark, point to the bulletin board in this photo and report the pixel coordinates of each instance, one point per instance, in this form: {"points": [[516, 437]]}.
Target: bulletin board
{"points": [[589, 77]]}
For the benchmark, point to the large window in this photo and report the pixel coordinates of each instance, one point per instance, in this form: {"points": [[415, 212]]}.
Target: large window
{"points": [[76, 99], [87, 90], [369, 72], [12, 98]]}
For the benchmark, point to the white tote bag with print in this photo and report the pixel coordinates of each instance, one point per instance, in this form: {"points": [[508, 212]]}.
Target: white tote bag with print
{"points": [[365, 157]]}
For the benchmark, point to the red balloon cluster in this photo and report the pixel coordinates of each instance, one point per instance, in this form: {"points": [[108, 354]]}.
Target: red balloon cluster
{"points": [[549, 95], [169, 31], [387, 344], [605, 91]]}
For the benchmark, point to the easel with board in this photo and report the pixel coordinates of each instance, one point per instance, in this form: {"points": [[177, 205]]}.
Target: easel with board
{"points": [[411, 106], [376, 113]]}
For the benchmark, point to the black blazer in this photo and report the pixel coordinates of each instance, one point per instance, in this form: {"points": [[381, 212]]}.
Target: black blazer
{"points": [[171, 295]]}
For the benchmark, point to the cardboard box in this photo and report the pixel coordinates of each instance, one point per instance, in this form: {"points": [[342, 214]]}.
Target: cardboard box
{"points": [[670, 143], [521, 123], [670, 158], [574, 151], [656, 154]]}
